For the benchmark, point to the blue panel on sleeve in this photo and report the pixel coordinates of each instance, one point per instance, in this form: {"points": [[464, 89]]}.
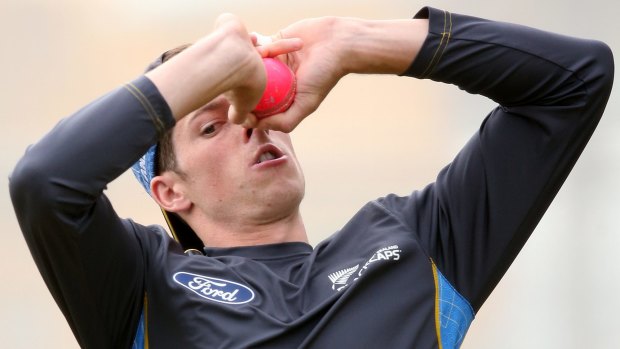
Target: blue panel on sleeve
{"points": [[138, 342], [455, 314]]}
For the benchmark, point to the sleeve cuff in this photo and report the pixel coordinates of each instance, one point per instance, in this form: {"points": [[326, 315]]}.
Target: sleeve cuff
{"points": [[439, 33], [153, 103]]}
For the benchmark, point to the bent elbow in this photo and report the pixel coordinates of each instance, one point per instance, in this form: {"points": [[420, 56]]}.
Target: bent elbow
{"points": [[28, 185], [599, 71], [587, 90]]}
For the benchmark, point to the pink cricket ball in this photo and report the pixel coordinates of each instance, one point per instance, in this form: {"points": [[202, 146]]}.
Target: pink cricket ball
{"points": [[280, 90]]}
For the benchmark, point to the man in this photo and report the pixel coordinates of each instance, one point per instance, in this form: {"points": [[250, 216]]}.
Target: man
{"points": [[404, 272]]}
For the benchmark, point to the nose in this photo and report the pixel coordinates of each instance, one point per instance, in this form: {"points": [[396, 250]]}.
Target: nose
{"points": [[253, 133]]}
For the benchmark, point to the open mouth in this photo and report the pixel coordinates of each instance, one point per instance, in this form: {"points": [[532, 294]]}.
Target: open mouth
{"points": [[267, 152], [266, 157]]}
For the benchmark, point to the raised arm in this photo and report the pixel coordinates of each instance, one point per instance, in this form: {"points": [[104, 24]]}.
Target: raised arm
{"points": [[334, 47], [551, 91], [92, 261]]}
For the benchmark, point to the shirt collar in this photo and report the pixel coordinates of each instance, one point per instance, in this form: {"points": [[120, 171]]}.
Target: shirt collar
{"points": [[262, 252]]}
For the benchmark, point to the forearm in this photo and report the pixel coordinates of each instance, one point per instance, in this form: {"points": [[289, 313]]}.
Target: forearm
{"points": [[334, 47], [512, 64], [380, 46], [552, 91], [222, 61]]}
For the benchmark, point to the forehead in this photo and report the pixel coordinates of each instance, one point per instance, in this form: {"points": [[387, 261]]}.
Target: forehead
{"points": [[217, 104]]}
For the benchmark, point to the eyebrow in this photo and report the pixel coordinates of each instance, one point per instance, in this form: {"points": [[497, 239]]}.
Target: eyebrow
{"points": [[212, 105]]}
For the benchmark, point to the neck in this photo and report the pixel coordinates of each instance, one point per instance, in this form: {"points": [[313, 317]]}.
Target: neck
{"points": [[250, 232]]}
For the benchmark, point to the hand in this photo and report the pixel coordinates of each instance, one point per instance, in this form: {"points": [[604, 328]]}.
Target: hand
{"points": [[245, 85], [245, 117], [222, 62], [317, 67], [334, 47]]}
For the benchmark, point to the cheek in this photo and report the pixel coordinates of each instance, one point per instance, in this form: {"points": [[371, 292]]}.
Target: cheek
{"points": [[213, 177]]}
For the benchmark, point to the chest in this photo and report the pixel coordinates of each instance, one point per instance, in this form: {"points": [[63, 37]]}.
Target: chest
{"points": [[334, 295]]}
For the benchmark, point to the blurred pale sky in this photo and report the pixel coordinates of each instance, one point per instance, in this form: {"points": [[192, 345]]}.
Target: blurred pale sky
{"points": [[373, 135]]}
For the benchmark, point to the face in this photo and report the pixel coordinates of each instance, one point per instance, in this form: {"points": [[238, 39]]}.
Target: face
{"points": [[232, 174]]}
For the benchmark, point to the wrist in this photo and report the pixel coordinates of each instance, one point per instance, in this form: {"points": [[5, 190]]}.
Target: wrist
{"points": [[380, 46], [211, 66]]}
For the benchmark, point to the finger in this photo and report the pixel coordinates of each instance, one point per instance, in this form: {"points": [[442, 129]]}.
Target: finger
{"points": [[234, 116], [245, 119], [280, 47], [288, 120], [250, 121], [262, 40], [277, 123], [253, 38]]}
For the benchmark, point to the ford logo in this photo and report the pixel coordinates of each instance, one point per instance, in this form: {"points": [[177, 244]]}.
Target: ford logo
{"points": [[217, 290]]}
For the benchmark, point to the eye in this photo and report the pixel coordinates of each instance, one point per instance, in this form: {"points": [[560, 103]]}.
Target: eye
{"points": [[210, 129]]}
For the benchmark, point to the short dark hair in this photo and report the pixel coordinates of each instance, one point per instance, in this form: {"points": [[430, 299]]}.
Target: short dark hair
{"points": [[165, 156]]}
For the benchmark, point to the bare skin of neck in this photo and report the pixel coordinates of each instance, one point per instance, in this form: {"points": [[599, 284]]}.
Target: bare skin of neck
{"points": [[289, 228]]}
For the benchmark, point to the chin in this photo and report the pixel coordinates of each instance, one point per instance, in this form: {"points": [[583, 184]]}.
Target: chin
{"points": [[282, 202]]}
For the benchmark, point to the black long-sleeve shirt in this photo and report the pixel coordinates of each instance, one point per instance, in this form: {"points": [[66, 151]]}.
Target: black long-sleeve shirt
{"points": [[403, 272]]}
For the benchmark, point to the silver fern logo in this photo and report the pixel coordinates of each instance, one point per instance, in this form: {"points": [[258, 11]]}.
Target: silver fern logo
{"points": [[341, 277]]}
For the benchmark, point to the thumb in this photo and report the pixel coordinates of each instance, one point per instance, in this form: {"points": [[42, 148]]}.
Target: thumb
{"points": [[290, 119], [245, 119]]}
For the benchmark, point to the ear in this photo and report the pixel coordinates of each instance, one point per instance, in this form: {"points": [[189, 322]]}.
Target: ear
{"points": [[165, 189]]}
